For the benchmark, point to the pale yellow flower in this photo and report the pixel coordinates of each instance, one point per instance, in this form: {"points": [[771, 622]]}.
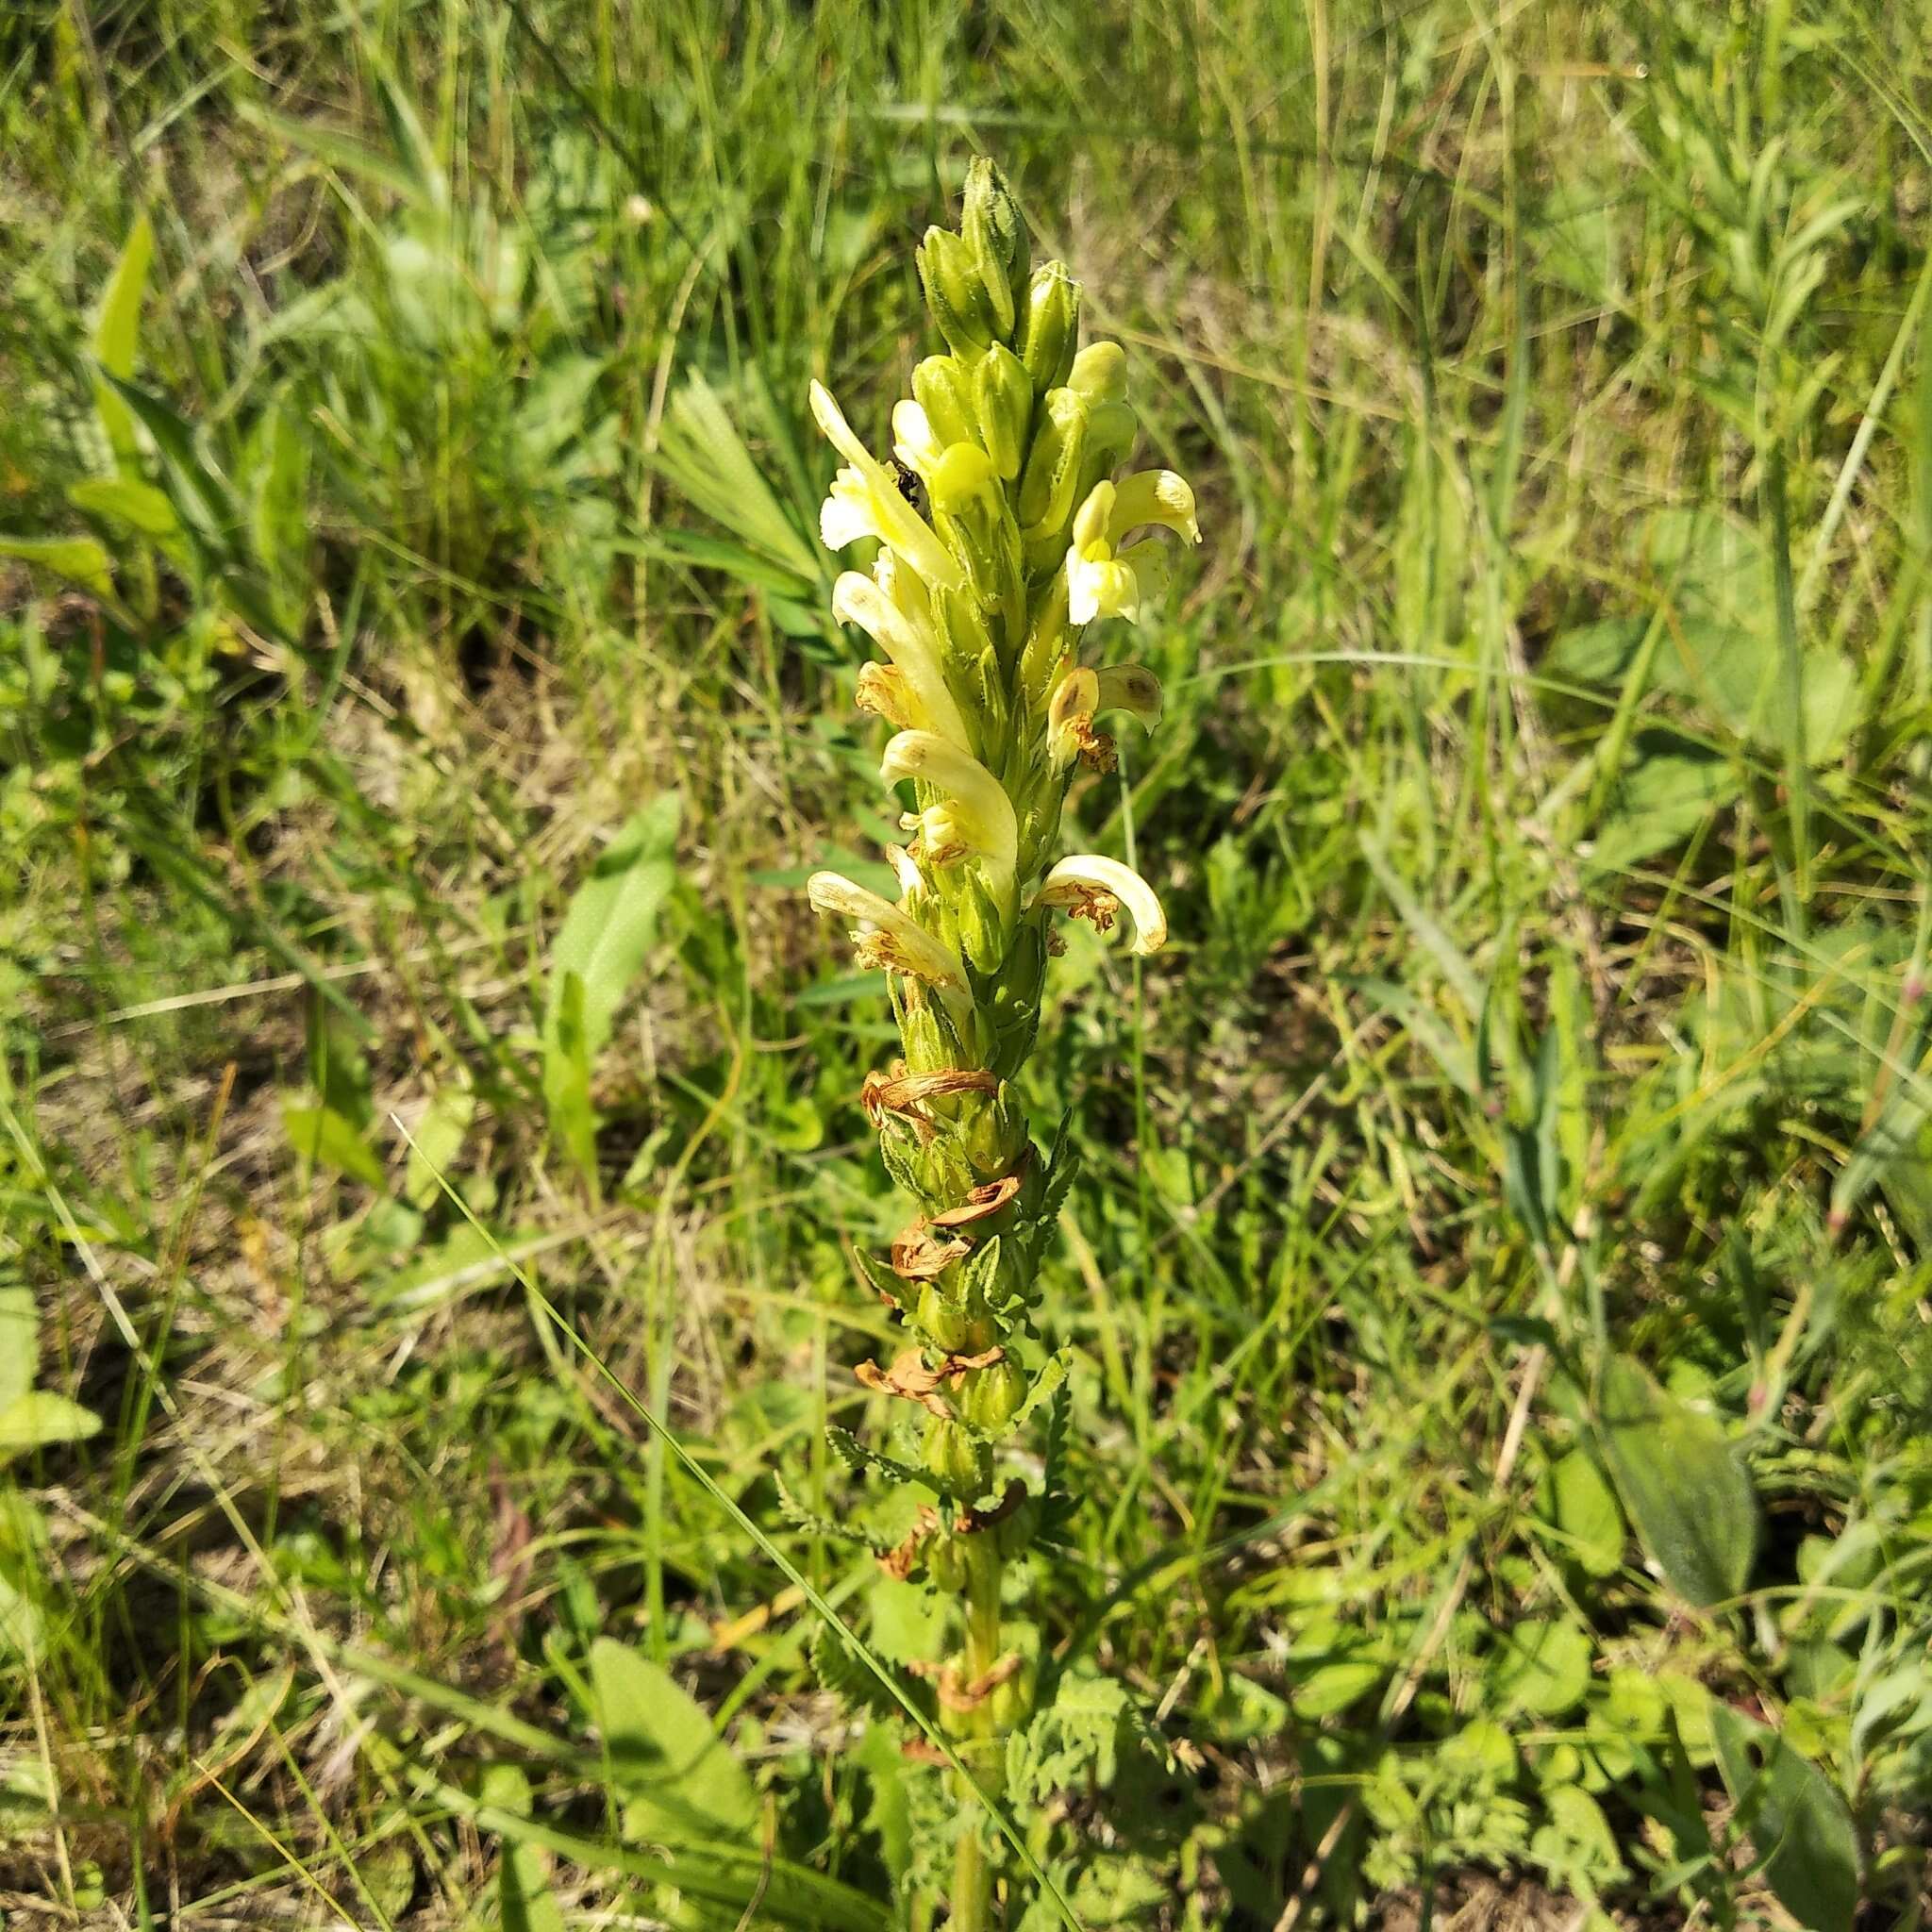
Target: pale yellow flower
{"points": [[974, 817], [866, 502], [908, 638], [1105, 581], [889, 938], [1091, 887]]}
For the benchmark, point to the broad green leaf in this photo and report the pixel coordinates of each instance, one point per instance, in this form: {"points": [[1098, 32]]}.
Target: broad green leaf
{"points": [[1544, 1668], [1685, 1491], [325, 1137], [734, 1875], [907, 1622], [567, 1078], [140, 505], [523, 1877], [436, 1141], [20, 1341], [1796, 1820], [81, 561], [555, 406], [1584, 1508], [1665, 791], [889, 1811], [199, 495], [679, 1777], [606, 937], [117, 334], [39, 1419]]}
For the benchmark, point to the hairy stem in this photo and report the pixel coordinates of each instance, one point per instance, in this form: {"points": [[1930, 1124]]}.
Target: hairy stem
{"points": [[981, 1750]]}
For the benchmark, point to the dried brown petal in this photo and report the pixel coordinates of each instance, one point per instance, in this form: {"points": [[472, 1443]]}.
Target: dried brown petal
{"points": [[916, 1257], [988, 1198]]}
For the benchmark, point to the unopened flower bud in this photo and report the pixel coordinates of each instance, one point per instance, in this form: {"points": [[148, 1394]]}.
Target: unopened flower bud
{"points": [[982, 926], [945, 1563], [944, 388], [960, 1465], [970, 509], [1003, 393], [995, 231], [944, 1173], [1100, 373], [1012, 1703], [1111, 431], [1049, 325], [942, 1322], [996, 1136], [958, 1721], [1047, 491], [927, 1048], [955, 293], [1016, 1534], [991, 1396]]}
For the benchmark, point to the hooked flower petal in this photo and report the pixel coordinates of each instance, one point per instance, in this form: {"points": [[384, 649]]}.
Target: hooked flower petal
{"points": [[910, 642], [975, 816], [1091, 887], [895, 939], [865, 501]]}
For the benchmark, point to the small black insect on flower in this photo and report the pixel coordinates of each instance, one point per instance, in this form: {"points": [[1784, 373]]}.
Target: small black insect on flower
{"points": [[911, 488]]}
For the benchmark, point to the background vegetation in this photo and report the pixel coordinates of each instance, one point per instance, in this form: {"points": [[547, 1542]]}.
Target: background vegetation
{"points": [[1499, 1293]]}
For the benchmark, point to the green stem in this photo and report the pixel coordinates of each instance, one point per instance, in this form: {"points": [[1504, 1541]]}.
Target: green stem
{"points": [[973, 1910]]}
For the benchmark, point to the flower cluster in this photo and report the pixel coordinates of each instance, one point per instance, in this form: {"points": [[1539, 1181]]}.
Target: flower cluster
{"points": [[1003, 537]]}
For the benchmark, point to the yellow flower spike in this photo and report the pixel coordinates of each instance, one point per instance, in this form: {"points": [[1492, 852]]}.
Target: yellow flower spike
{"points": [[911, 641], [1091, 887], [889, 938], [866, 502], [975, 815]]}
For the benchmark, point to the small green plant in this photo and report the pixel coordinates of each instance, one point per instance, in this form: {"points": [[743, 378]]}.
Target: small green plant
{"points": [[1003, 539]]}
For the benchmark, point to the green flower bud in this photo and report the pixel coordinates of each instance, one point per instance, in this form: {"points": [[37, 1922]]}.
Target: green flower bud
{"points": [[991, 1396], [1003, 393], [1016, 1535], [1100, 373], [945, 1173], [995, 231], [942, 1322], [963, 625], [945, 1563], [927, 1050], [957, 1723], [1111, 431], [995, 1135], [942, 387], [955, 293], [982, 924], [961, 1465], [1053, 465], [1012, 1703], [1049, 325], [970, 511]]}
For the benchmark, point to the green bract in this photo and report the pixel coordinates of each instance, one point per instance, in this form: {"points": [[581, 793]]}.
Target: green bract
{"points": [[979, 600]]}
